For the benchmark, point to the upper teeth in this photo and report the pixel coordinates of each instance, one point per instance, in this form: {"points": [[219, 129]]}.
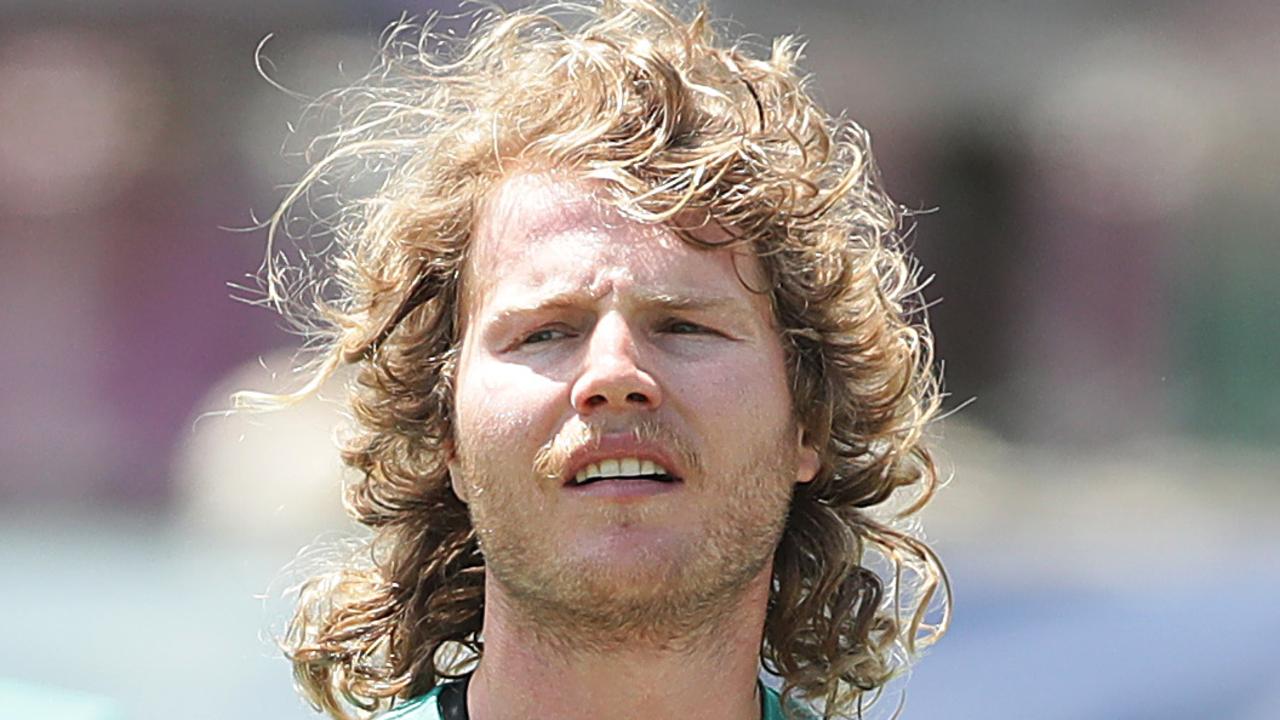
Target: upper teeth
{"points": [[620, 467]]}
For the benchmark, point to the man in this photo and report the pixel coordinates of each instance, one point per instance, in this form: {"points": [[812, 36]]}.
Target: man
{"points": [[638, 349]]}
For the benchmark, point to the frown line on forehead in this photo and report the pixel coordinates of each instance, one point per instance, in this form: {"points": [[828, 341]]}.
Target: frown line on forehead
{"points": [[529, 209], [537, 205]]}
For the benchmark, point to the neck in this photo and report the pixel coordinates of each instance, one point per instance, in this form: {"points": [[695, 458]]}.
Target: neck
{"points": [[711, 674]]}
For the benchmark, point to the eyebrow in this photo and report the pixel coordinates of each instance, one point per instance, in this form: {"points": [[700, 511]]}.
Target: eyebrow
{"points": [[568, 298]]}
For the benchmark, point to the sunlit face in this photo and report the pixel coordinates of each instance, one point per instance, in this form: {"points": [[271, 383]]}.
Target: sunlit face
{"points": [[591, 338]]}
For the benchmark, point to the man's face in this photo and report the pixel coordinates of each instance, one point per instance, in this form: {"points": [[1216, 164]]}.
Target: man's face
{"points": [[591, 340]]}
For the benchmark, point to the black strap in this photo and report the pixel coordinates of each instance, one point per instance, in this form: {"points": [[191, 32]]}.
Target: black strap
{"points": [[452, 699]]}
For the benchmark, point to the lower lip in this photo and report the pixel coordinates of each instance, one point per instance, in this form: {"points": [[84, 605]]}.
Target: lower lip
{"points": [[622, 489]]}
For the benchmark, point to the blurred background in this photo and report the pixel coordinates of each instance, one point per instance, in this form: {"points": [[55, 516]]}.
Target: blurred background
{"points": [[1103, 178]]}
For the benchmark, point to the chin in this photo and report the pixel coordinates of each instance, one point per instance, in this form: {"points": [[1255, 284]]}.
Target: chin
{"points": [[657, 554]]}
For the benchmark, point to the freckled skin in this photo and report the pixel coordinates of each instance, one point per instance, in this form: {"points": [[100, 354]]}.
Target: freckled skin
{"points": [[568, 318]]}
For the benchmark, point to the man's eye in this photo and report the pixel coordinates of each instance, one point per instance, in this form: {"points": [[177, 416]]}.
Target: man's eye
{"points": [[543, 335], [684, 327]]}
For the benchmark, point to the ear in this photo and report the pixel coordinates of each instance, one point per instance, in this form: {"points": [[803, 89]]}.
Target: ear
{"points": [[455, 472], [809, 461]]}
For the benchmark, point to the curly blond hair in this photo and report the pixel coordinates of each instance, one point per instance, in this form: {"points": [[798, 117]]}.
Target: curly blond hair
{"points": [[669, 120]]}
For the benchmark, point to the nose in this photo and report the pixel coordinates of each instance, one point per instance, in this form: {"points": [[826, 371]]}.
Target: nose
{"points": [[611, 377]]}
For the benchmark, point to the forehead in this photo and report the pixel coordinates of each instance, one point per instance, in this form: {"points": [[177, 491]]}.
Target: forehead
{"points": [[543, 230]]}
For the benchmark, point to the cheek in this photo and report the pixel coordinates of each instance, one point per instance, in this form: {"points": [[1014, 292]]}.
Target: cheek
{"points": [[737, 404], [750, 386], [499, 403]]}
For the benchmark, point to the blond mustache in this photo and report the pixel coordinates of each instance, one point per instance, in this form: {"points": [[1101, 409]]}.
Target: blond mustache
{"points": [[552, 459]]}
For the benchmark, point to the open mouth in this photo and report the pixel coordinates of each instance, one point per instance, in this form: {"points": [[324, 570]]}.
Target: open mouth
{"points": [[622, 469]]}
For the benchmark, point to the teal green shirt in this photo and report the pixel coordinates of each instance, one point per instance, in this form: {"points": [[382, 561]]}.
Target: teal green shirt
{"points": [[425, 708]]}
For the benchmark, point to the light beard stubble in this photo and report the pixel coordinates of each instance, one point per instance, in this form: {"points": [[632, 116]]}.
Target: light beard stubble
{"points": [[581, 607]]}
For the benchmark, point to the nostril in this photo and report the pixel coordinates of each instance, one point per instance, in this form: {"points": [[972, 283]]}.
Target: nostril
{"points": [[637, 397]]}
